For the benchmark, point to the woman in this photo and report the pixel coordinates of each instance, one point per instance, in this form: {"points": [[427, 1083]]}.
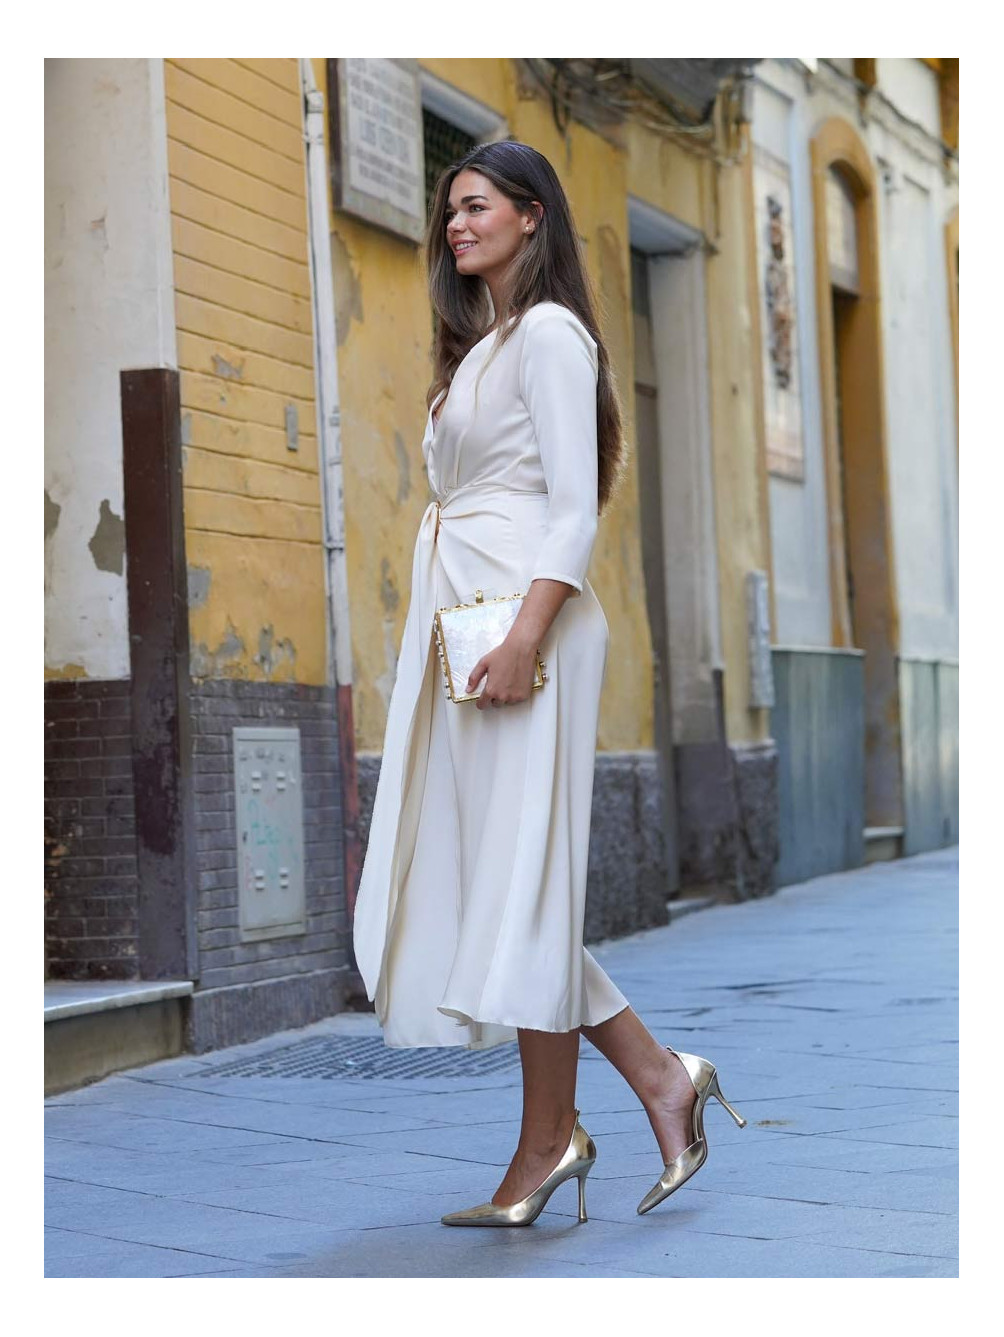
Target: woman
{"points": [[469, 915]]}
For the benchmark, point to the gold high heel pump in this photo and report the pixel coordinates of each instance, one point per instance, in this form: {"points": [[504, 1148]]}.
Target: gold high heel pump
{"points": [[704, 1077], [577, 1160]]}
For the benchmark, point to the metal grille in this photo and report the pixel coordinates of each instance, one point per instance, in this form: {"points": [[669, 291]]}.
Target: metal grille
{"points": [[335, 1056], [444, 144]]}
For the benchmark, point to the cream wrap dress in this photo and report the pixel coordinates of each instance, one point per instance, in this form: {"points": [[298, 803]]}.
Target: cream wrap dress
{"points": [[469, 914]]}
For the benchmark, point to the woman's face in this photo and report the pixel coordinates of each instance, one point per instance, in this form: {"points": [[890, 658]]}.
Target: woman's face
{"points": [[484, 229]]}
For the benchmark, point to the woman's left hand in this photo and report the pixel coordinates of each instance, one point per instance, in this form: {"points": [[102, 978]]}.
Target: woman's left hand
{"points": [[510, 668]]}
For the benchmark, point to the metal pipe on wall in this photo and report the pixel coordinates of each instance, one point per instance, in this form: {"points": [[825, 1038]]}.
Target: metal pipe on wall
{"points": [[330, 448]]}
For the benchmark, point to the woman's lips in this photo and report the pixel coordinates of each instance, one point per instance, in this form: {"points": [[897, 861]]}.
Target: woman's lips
{"points": [[463, 246]]}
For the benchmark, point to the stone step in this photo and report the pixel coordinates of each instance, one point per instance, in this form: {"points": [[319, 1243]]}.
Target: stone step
{"points": [[95, 1027], [882, 843]]}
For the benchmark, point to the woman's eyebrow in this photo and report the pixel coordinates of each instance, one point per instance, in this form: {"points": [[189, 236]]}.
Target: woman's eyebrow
{"points": [[467, 199]]}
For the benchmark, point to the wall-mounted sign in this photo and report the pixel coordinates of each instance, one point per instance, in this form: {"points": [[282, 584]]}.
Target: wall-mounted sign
{"points": [[778, 314], [377, 160]]}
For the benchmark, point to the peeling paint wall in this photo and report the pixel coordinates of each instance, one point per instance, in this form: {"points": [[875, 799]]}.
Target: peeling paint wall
{"points": [[107, 543], [108, 305], [245, 350], [384, 348]]}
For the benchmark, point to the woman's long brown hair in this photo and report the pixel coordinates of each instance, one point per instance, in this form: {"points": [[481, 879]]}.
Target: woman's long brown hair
{"points": [[549, 268]]}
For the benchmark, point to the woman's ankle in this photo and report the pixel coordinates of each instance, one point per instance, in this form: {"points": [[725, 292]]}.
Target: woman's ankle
{"points": [[547, 1133], [655, 1077]]}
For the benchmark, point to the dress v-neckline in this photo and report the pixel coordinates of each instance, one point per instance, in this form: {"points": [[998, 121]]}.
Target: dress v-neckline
{"points": [[434, 421]]}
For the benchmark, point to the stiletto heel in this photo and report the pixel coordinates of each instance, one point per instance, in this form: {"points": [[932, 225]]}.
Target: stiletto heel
{"points": [[577, 1160], [715, 1090], [704, 1077]]}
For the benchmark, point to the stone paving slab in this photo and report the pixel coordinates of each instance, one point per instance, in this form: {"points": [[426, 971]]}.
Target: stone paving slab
{"points": [[77, 1254], [841, 1054], [897, 1190], [234, 1112], [825, 1152]]}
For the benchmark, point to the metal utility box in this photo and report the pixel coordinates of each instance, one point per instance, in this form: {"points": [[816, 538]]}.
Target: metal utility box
{"points": [[269, 807]]}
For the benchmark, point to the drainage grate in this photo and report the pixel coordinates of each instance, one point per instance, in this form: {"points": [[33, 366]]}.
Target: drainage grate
{"points": [[331, 1057]]}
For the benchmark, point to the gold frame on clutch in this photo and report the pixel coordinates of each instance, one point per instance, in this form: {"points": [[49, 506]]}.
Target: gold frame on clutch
{"points": [[539, 676]]}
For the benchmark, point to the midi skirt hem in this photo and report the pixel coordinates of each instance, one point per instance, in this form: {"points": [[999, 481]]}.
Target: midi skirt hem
{"points": [[464, 1019], [510, 1024], [501, 1030]]}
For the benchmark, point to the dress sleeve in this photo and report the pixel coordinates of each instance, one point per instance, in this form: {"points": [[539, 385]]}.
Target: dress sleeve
{"points": [[558, 374]]}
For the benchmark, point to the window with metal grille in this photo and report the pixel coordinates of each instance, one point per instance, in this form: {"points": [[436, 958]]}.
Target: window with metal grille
{"points": [[444, 144]]}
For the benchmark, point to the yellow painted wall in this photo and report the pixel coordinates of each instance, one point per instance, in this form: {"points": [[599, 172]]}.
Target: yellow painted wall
{"points": [[245, 351], [384, 347], [662, 173]]}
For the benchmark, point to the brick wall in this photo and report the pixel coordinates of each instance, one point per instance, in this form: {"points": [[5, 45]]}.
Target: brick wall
{"points": [[91, 924], [246, 989]]}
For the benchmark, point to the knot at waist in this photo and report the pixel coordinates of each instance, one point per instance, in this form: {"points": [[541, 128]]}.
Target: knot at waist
{"points": [[465, 498], [469, 499]]}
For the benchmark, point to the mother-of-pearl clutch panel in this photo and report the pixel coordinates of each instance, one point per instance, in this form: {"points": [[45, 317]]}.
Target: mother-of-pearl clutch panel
{"points": [[466, 632]]}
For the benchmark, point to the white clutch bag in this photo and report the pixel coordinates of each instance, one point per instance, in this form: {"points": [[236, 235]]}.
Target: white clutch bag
{"points": [[465, 632]]}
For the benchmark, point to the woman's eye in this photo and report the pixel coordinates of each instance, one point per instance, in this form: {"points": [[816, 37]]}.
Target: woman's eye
{"points": [[450, 215]]}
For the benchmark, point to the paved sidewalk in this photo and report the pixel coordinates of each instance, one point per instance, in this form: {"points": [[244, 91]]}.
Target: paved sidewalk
{"points": [[829, 1008]]}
